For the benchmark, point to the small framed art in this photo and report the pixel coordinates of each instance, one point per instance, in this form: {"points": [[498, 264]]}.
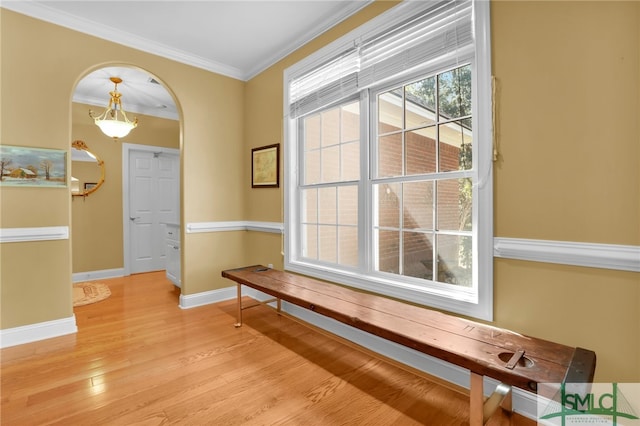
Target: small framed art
{"points": [[265, 166], [26, 166]]}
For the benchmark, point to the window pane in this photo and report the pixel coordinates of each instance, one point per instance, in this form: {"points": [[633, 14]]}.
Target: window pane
{"points": [[420, 151], [330, 127], [390, 111], [388, 205], [331, 164], [417, 198], [455, 259], [348, 205], [350, 161], [312, 167], [310, 206], [420, 103], [310, 241], [417, 260], [389, 251], [327, 247], [350, 123], [348, 245], [454, 93], [455, 145], [454, 204], [327, 205], [390, 155], [312, 132]]}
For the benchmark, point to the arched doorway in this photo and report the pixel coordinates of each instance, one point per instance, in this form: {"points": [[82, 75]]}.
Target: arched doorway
{"points": [[101, 230]]}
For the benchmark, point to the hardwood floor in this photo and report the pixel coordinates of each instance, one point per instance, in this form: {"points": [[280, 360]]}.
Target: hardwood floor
{"points": [[139, 359]]}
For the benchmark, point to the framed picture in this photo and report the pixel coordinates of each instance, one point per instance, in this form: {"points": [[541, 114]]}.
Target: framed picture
{"points": [[24, 166], [265, 166], [90, 185]]}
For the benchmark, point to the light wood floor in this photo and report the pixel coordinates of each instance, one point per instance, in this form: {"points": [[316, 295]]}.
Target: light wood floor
{"points": [[139, 359]]}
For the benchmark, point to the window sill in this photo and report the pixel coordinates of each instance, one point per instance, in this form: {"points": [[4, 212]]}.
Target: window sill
{"points": [[464, 301]]}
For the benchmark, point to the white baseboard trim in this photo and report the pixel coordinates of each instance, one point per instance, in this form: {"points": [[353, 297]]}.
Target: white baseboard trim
{"points": [[524, 403], [207, 297], [240, 225], [78, 277], [35, 332], [43, 233], [592, 255]]}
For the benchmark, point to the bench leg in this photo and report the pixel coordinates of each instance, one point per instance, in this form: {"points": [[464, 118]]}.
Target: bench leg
{"points": [[239, 306], [501, 397], [507, 403], [480, 411], [476, 397]]}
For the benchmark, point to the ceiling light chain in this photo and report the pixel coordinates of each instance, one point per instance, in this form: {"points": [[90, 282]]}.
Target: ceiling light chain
{"points": [[108, 121]]}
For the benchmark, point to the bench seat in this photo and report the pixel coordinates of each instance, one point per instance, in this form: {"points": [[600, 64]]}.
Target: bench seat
{"points": [[509, 357]]}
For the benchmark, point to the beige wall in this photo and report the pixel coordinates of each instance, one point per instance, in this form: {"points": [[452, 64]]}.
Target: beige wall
{"points": [[40, 65], [96, 221], [568, 108], [568, 112]]}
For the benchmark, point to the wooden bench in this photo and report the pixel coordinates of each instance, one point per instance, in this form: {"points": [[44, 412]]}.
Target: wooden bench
{"points": [[511, 358]]}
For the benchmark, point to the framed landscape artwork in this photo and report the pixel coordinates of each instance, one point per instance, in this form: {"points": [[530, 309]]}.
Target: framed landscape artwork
{"points": [[265, 166], [25, 166]]}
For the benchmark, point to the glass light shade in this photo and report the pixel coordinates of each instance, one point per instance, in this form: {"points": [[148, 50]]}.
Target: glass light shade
{"points": [[115, 128]]}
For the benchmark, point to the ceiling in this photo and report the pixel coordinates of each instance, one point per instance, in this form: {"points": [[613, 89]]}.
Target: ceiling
{"points": [[239, 38]]}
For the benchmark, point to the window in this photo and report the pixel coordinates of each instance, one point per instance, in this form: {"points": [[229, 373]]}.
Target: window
{"points": [[422, 186], [388, 158]]}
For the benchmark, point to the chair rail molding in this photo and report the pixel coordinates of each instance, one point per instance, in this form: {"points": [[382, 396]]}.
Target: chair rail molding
{"points": [[239, 225], [43, 233], [592, 255]]}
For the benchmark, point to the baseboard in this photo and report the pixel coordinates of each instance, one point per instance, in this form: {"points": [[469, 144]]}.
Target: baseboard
{"points": [[207, 297], [35, 332], [524, 403], [97, 275]]}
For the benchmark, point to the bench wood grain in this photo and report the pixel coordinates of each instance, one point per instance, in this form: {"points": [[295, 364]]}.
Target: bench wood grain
{"points": [[512, 358]]}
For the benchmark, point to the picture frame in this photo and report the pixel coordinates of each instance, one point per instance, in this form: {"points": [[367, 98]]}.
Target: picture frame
{"points": [[90, 185], [33, 167], [265, 166]]}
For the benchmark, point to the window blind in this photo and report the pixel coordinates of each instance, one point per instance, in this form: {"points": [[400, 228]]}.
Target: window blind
{"points": [[443, 29]]}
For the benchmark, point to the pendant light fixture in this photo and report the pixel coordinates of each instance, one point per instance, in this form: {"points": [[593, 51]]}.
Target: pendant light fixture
{"points": [[113, 121]]}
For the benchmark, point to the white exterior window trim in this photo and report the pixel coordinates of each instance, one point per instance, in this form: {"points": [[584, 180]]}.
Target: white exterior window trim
{"points": [[436, 296]]}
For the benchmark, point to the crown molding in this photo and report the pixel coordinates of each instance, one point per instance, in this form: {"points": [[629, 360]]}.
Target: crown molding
{"points": [[45, 13], [48, 14], [310, 35]]}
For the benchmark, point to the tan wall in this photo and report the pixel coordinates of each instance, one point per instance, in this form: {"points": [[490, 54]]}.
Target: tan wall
{"points": [[40, 65], [568, 105], [96, 221], [568, 169]]}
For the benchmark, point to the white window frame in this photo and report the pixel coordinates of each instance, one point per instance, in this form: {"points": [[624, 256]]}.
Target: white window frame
{"points": [[478, 304]]}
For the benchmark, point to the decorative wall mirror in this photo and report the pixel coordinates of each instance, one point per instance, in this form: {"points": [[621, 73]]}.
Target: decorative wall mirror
{"points": [[87, 170]]}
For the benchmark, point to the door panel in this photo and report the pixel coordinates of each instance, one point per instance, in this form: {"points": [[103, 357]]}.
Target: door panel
{"points": [[153, 201]]}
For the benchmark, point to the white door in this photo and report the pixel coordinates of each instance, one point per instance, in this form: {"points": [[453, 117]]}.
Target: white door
{"points": [[154, 200]]}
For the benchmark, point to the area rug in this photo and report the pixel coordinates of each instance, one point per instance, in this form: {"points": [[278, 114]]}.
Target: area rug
{"points": [[89, 292]]}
